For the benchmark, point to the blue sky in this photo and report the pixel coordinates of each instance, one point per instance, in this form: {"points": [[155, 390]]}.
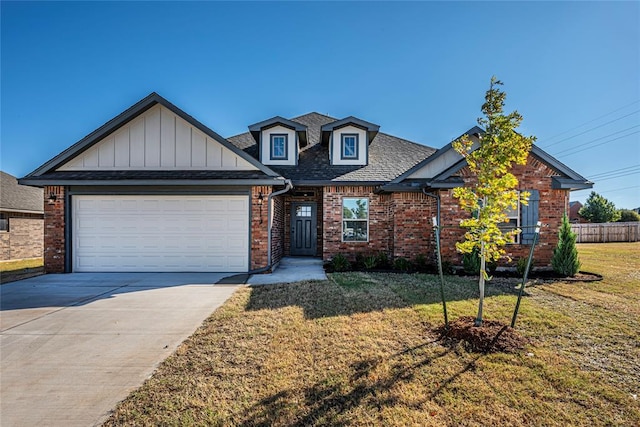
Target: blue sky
{"points": [[418, 69]]}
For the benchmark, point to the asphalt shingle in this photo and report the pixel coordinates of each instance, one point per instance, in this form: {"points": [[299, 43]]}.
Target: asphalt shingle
{"points": [[14, 196], [389, 156]]}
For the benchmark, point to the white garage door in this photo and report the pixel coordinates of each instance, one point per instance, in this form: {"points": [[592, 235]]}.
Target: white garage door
{"points": [[160, 233]]}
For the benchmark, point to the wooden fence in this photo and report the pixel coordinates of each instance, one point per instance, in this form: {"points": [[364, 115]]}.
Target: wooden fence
{"points": [[607, 232]]}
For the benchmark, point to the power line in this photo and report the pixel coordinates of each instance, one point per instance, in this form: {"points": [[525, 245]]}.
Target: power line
{"points": [[608, 191], [619, 189], [618, 176], [597, 139], [614, 171], [593, 120], [593, 128], [597, 145]]}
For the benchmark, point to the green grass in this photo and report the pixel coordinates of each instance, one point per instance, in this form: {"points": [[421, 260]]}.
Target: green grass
{"points": [[360, 349], [20, 264]]}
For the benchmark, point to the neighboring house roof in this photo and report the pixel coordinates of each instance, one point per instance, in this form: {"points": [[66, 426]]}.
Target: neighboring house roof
{"points": [[19, 198], [389, 156], [45, 172]]}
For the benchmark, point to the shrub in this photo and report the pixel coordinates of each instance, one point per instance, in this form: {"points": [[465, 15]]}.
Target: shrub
{"points": [[447, 267], [383, 260], [627, 215], [522, 265], [565, 256], [471, 262], [421, 263], [402, 264], [340, 263], [370, 261]]}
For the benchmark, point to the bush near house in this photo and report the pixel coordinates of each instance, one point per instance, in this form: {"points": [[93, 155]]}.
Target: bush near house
{"points": [[565, 256]]}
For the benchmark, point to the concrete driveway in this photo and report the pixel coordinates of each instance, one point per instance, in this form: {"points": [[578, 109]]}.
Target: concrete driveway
{"points": [[73, 345]]}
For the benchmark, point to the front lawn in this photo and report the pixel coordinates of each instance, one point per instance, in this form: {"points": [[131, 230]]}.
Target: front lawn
{"points": [[361, 349], [20, 264]]}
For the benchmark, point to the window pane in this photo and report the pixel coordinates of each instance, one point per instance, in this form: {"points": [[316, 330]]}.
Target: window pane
{"points": [[303, 211], [349, 146], [349, 149], [355, 208], [510, 226], [354, 231], [278, 147]]}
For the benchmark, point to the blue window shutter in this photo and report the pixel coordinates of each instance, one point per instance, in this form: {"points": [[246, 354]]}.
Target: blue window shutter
{"points": [[529, 217]]}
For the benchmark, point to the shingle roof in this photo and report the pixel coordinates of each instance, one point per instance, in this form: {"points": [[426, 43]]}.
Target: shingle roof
{"points": [[389, 156], [16, 197]]}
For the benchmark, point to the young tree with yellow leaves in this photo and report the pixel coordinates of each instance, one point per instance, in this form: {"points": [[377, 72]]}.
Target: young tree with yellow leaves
{"points": [[490, 159]]}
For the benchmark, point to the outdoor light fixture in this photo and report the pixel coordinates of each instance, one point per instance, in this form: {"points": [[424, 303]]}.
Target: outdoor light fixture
{"points": [[52, 198], [260, 199]]}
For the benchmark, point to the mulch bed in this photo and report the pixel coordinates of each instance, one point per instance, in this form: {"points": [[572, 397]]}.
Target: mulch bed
{"points": [[491, 337]]}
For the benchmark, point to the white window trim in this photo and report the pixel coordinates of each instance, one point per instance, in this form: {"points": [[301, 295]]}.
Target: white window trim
{"points": [[351, 219]]}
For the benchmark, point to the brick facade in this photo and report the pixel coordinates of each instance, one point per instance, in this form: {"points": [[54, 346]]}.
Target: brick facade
{"points": [[259, 218], [54, 230], [399, 223], [25, 239], [535, 175], [413, 226], [380, 223], [278, 233]]}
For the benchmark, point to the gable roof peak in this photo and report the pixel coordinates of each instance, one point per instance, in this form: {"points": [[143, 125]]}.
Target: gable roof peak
{"points": [[127, 116]]}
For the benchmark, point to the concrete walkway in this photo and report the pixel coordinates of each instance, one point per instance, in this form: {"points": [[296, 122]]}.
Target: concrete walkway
{"points": [[73, 345], [292, 269]]}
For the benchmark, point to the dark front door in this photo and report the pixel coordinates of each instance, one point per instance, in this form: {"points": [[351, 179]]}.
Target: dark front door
{"points": [[303, 228]]}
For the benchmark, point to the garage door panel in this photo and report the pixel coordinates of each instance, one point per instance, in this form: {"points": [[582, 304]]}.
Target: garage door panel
{"points": [[160, 233]]}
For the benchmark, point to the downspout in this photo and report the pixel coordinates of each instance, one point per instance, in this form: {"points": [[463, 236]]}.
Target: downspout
{"points": [[437, 197], [288, 186]]}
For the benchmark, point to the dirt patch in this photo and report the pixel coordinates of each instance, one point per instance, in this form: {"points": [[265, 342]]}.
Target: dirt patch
{"points": [[491, 337]]}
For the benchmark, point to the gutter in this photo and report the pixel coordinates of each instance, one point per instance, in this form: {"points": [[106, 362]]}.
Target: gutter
{"points": [[288, 186]]}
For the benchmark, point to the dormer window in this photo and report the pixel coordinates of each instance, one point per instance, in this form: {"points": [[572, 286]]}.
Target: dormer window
{"points": [[279, 147], [348, 140], [349, 146], [279, 141]]}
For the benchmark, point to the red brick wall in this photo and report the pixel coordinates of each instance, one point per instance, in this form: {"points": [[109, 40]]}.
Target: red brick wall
{"points": [[553, 204], [413, 226], [54, 227], [277, 229], [259, 228], [380, 224], [314, 194]]}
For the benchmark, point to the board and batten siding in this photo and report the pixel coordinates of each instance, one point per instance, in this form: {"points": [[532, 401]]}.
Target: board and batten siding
{"points": [[157, 140]]}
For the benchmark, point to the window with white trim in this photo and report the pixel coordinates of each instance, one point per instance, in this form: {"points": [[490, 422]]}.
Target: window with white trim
{"points": [[355, 220], [279, 147], [349, 146]]}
